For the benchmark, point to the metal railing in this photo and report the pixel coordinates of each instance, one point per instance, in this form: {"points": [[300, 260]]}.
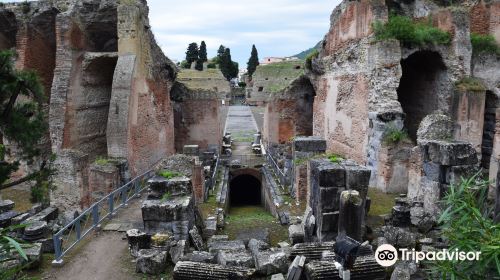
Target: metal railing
{"points": [[92, 217], [279, 173], [210, 183]]}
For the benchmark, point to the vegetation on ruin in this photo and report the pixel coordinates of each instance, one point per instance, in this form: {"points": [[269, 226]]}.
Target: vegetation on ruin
{"points": [[24, 123], [101, 160], [394, 135], [467, 225], [470, 84], [166, 196], [10, 249], [279, 74], [167, 174], [253, 61], [484, 44], [309, 58], [410, 33], [240, 219], [334, 158]]}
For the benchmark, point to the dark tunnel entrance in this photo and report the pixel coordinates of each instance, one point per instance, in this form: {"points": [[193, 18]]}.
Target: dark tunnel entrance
{"points": [[424, 79], [245, 190]]}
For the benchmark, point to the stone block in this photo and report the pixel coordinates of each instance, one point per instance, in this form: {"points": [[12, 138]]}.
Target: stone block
{"points": [[434, 172], [177, 250], [6, 218], [151, 261], [451, 153], [454, 174], [296, 268], [178, 186], [48, 214], [196, 239], [278, 276], [216, 246], [329, 198], [240, 258], [210, 228], [329, 222], [6, 205], [34, 254], [192, 150], [269, 262], [309, 144], [137, 240], [296, 234], [357, 178], [176, 209], [256, 245], [431, 196], [21, 218], [200, 256], [216, 238]]}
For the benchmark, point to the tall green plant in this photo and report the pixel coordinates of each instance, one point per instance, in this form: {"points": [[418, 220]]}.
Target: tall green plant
{"points": [[467, 225], [10, 250]]}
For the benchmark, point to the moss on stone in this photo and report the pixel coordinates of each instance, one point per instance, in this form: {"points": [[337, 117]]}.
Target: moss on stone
{"points": [[470, 84]]}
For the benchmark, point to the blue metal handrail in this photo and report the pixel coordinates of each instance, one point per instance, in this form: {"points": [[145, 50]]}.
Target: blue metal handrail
{"points": [[122, 195]]}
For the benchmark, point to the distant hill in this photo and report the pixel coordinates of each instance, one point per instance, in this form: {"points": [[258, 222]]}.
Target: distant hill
{"points": [[303, 54]]}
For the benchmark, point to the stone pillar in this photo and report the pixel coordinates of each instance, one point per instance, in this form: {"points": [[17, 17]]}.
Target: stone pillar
{"points": [[103, 178], [327, 180], [468, 115], [351, 213], [198, 182], [303, 149]]}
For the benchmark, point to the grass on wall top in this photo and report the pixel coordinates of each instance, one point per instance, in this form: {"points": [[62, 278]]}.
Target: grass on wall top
{"points": [[484, 44]]}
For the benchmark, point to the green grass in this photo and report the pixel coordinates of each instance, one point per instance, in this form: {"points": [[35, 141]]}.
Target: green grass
{"points": [[241, 219], [470, 84], [381, 204], [484, 44], [21, 198], [167, 174], [410, 33], [101, 161], [279, 75]]}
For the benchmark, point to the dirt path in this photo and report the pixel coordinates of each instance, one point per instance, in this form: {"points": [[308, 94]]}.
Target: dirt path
{"points": [[104, 256]]}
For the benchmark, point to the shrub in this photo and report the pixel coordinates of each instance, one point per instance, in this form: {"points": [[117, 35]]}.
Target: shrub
{"points": [[467, 226], [484, 44], [242, 84], [470, 84], [394, 135], [168, 174], [185, 65], [309, 58], [410, 33], [166, 196], [211, 65]]}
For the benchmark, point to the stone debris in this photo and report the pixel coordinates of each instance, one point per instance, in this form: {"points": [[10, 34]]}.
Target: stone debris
{"points": [[200, 256], [48, 214], [137, 240], [240, 258], [34, 253], [270, 262], [6, 218], [296, 234], [278, 276], [233, 245], [6, 205], [151, 261], [365, 268], [198, 242], [201, 271], [177, 186], [295, 270], [36, 230], [177, 250], [312, 251]]}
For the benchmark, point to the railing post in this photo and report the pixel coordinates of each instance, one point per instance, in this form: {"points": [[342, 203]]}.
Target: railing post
{"points": [[78, 229], [111, 204], [57, 250], [95, 215], [124, 196], [137, 187]]}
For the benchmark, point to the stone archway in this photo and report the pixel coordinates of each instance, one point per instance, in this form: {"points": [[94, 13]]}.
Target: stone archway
{"points": [[423, 84], [245, 187]]}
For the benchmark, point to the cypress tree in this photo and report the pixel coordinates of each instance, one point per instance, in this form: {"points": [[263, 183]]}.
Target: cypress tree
{"points": [[253, 62], [192, 53], [202, 56]]}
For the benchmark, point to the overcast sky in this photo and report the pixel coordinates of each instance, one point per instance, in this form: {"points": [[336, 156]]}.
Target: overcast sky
{"points": [[276, 27]]}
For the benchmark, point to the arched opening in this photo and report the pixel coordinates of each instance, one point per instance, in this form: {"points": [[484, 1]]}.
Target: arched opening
{"points": [[424, 79], [488, 128], [244, 190]]}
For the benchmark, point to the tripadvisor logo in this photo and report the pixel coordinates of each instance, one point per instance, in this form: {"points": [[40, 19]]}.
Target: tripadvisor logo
{"points": [[386, 255]]}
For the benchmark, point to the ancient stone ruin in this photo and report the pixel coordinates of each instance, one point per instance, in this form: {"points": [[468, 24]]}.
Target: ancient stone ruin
{"points": [[319, 142]]}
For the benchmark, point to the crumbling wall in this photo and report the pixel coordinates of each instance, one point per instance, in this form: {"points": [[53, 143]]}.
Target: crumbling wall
{"points": [[366, 87], [140, 125], [289, 113], [198, 108]]}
